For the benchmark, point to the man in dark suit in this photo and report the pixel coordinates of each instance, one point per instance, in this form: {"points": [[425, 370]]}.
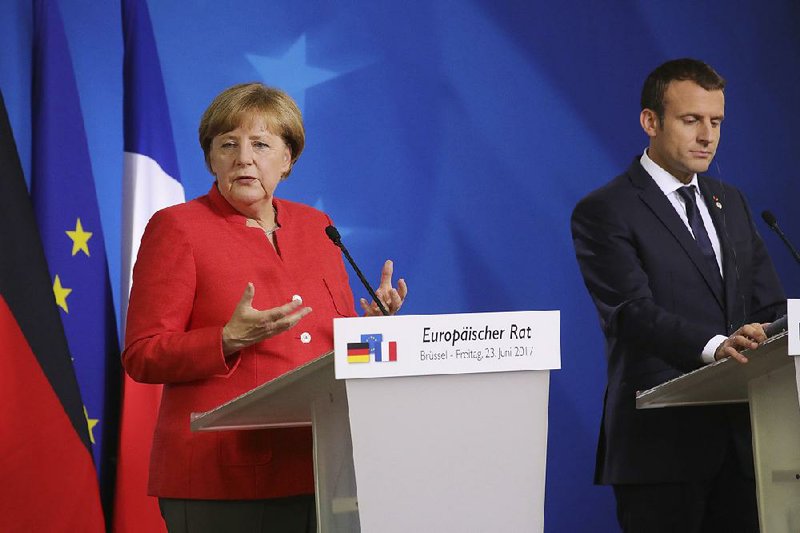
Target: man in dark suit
{"points": [[680, 278]]}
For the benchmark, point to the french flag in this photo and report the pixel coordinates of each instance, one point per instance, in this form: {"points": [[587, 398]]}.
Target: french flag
{"points": [[387, 352], [151, 182]]}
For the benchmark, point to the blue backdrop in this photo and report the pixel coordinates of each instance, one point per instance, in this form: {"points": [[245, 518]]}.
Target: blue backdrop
{"points": [[454, 137]]}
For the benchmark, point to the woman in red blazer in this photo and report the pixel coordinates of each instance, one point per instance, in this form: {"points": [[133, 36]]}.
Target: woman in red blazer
{"points": [[231, 290]]}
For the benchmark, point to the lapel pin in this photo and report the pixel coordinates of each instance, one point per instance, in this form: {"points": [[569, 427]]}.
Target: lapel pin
{"points": [[717, 202]]}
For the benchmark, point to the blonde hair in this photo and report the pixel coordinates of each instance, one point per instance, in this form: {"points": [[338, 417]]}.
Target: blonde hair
{"points": [[234, 106]]}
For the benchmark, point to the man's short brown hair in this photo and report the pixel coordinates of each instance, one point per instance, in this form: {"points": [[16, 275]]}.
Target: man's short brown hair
{"points": [[655, 86]]}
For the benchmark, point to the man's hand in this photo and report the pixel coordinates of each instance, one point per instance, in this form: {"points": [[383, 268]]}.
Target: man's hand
{"points": [[747, 337]]}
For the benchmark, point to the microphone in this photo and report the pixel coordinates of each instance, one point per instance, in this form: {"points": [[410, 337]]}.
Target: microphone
{"points": [[779, 326], [772, 222], [333, 235]]}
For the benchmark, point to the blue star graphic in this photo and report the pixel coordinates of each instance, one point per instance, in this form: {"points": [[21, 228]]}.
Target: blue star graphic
{"points": [[291, 72]]}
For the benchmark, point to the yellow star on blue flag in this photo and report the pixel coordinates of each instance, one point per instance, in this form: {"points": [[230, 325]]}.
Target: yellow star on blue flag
{"points": [[80, 238], [91, 423], [61, 294]]}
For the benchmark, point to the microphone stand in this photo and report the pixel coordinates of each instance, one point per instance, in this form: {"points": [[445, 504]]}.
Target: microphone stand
{"points": [[772, 222], [333, 235], [781, 324]]}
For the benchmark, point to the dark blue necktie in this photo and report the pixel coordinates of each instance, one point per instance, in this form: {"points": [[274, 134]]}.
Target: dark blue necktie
{"points": [[699, 229]]}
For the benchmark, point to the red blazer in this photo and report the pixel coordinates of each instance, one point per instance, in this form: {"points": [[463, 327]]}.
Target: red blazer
{"points": [[194, 263]]}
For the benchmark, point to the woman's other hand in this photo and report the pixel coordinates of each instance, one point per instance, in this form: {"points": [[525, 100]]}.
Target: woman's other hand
{"points": [[248, 325], [391, 298]]}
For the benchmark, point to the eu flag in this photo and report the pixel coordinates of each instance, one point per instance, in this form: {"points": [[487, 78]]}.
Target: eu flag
{"points": [[65, 204]]}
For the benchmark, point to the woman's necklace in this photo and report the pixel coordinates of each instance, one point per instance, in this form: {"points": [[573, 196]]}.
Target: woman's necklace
{"points": [[273, 229], [276, 227]]}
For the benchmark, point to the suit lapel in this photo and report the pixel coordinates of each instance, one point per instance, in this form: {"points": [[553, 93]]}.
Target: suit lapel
{"points": [[654, 198]]}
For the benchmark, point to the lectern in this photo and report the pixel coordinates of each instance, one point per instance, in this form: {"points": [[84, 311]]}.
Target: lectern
{"points": [[423, 453], [307, 396], [769, 383]]}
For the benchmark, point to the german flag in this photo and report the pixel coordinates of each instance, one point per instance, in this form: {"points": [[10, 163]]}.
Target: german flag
{"points": [[358, 352], [49, 480]]}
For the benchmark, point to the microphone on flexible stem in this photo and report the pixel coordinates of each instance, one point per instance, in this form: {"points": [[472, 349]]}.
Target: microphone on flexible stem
{"points": [[781, 324], [772, 222], [333, 235]]}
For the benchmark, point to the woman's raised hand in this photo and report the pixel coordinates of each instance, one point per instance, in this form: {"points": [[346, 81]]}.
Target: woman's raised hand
{"points": [[391, 298], [248, 325]]}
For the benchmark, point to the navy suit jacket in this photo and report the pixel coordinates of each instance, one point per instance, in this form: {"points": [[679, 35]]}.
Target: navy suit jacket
{"points": [[658, 307]]}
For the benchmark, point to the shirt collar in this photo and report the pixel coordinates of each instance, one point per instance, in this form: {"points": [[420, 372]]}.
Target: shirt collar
{"points": [[221, 206], [665, 181]]}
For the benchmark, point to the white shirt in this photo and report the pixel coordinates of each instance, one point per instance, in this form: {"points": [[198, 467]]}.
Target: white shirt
{"points": [[669, 185]]}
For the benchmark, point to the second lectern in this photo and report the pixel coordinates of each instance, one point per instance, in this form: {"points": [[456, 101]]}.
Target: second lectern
{"points": [[769, 383]]}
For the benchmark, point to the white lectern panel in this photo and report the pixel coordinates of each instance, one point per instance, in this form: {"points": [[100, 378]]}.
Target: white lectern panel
{"points": [[450, 453], [776, 435]]}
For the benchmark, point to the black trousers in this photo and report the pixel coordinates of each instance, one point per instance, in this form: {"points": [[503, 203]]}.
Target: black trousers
{"points": [[296, 514], [724, 504]]}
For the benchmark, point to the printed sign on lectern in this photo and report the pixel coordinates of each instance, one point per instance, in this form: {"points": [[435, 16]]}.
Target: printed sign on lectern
{"points": [[417, 345]]}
